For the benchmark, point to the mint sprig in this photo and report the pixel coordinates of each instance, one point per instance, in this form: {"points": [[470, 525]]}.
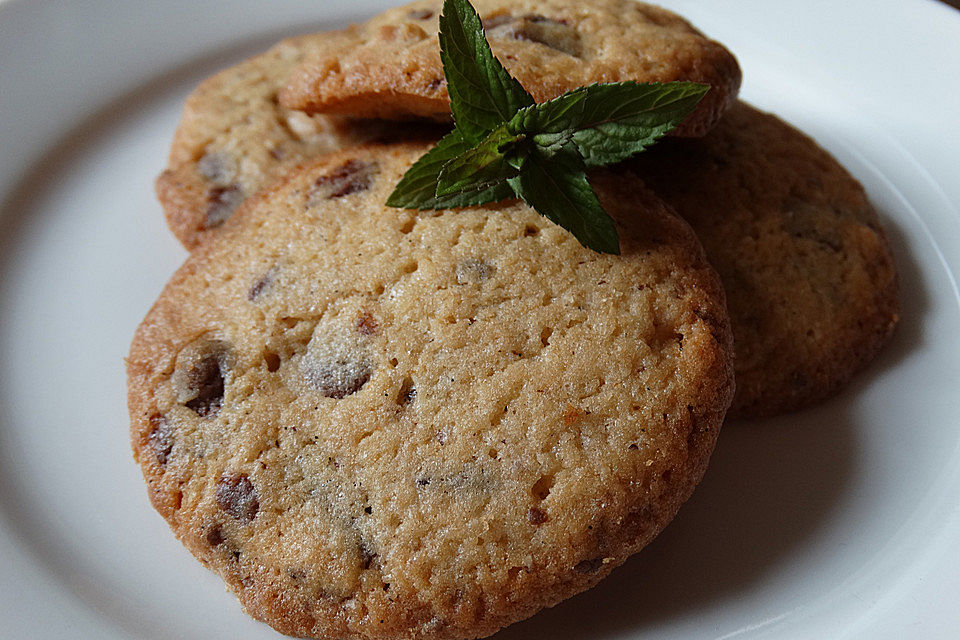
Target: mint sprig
{"points": [[610, 122], [555, 184], [504, 145], [482, 94], [485, 165], [418, 187]]}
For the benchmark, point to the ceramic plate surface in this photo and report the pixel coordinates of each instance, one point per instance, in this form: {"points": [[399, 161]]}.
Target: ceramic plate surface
{"points": [[842, 521]]}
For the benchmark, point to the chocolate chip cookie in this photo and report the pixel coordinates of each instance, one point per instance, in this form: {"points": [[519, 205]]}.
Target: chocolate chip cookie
{"points": [[389, 67], [235, 138], [807, 268], [378, 423]]}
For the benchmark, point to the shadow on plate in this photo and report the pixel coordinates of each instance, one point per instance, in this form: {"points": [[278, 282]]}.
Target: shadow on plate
{"points": [[771, 485]]}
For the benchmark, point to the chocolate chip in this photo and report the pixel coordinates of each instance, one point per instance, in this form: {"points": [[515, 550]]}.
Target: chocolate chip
{"points": [[339, 379], [812, 222], [366, 324], [198, 377], [218, 167], [351, 177], [160, 438], [436, 83], [589, 566], [257, 289], [237, 496], [215, 535], [262, 283], [336, 363], [556, 34], [221, 203], [497, 21], [536, 516], [207, 378], [420, 14], [552, 33], [474, 271]]}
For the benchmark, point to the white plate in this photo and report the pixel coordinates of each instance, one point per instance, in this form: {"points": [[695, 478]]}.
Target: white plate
{"points": [[839, 522]]}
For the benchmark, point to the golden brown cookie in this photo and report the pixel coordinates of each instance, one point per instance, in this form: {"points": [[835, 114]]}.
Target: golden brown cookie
{"points": [[809, 275], [235, 138], [389, 67], [376, 423]]}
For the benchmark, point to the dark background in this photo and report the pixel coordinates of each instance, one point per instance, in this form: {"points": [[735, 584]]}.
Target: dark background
{"points": [[953, 3]]}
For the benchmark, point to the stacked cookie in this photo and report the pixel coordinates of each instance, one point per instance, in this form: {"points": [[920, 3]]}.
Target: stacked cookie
{"points": [[379, 423]]}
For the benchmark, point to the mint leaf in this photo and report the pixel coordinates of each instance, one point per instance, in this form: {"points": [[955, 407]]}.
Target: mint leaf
{"points": [[418, 187], [482, 94], [484, 166], [504, 144], [556, 186], [610, 122]]}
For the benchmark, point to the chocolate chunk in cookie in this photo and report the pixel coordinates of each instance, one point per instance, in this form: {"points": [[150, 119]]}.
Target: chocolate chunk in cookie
{"points": [[199, 375]]}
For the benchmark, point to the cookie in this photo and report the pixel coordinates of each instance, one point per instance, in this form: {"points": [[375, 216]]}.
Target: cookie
{"points": [[377, 423], [810, 279], [390, 66], [235, 138]]}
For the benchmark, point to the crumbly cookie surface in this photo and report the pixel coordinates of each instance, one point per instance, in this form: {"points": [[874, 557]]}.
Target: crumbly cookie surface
{"points": [[809, 275], [235, 138], [390, 66], [376, 423]]}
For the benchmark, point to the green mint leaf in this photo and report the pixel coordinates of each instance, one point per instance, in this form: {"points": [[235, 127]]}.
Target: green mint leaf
{"points": [[418, 187], [562, 115], [482, 94], [484, 166], [610, 122], [553, 142], [556, 186], [504, 144]]}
